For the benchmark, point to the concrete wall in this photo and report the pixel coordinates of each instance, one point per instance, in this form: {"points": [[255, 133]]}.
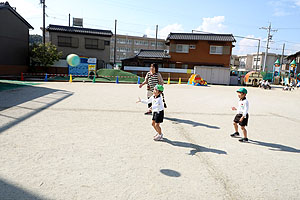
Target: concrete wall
{"points": [[14, 43], [214, 75]]}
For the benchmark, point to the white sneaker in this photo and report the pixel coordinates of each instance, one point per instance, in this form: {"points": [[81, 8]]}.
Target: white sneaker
{"points": [[158, 137]]}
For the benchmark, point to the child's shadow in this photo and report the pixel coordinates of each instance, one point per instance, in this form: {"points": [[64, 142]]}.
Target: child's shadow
{"points": [[275, 147], [195, 148], [195, 124]]}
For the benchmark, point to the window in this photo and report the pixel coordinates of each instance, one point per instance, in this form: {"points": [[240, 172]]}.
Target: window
{"points": [[172, 65], [182, 48], [185, 66], [258, 59], [64, 41], [107, 43], [91, 43], [192, 46], [160, 44], [216, 50]]}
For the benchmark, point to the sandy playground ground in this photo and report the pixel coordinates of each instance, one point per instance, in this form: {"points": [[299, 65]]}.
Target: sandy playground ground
{"points": [[92, 141]]}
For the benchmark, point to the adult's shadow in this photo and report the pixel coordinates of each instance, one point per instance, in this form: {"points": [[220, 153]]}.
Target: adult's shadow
{"points": [[195, 148], [186, 121], [275, 147]]}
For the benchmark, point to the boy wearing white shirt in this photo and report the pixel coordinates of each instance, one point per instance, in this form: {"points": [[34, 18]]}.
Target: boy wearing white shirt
{"points": [[157, 109], [242, 115]]}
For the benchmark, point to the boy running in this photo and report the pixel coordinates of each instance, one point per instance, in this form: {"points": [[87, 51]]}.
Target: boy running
{"points": [[158, 110], [242, 115]]}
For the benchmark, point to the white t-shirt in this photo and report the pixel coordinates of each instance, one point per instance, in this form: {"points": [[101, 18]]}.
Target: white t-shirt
{"points": [[157, 103], [243, 107]]}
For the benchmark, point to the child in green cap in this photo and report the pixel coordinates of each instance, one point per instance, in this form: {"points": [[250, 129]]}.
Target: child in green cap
{"points": [[242, 115], [157, 101]]}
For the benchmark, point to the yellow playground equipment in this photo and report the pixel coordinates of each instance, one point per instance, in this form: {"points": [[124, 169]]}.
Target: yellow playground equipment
{"points": [[196, 80]]}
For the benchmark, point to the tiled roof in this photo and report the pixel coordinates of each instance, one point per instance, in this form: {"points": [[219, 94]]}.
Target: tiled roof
{"points": [[294, 55], [153, 54], [11, 9], [197, 36], [71, 29]]}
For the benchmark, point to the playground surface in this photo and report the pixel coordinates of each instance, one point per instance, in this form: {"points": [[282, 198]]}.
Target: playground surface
{"points": [[92, 141]]}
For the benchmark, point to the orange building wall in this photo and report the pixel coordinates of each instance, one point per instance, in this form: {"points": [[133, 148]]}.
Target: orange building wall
{"points": [[201, 55]]}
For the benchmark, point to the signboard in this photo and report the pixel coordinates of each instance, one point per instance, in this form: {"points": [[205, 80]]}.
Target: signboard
{"points": [[92, 60], [84, 68], [77, 21]]}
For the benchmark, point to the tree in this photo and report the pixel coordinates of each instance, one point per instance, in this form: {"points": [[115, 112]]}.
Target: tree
{"points": [[35, 39], [44, 56]]}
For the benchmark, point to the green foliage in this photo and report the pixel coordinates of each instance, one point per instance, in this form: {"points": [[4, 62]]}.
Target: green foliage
{"points": [[35, 39], [44, 55]]}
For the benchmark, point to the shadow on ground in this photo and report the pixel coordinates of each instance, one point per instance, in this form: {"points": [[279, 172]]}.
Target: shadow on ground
{"points": [[275, 147], [186, 121], [169, 172], [195, 148], [9, 191], [13, 98]]}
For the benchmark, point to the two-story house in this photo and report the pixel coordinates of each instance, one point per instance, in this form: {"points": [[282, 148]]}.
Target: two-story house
{"points": [[85, 42], [190, 49], [14, 41], [189, 52]]}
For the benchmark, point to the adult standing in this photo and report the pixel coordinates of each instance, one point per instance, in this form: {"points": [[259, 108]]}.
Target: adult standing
{"points": [[152, 79]]}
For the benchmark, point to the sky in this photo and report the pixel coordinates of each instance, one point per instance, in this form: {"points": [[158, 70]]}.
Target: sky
{"points": [[140, 17]]}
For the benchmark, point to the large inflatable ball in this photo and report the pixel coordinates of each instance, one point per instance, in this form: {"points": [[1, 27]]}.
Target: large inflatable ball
{"points": [[73, 60]]}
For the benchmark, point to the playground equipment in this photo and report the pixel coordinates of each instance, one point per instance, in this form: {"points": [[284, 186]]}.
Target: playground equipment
{"points": [[253, 78], [196, 80]]}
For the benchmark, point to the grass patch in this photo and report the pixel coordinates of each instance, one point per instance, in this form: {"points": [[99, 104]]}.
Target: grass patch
{"points": [[10, 84]]}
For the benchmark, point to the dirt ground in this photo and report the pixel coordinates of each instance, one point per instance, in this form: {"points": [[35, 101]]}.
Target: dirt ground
{"points": [[92, 141]]}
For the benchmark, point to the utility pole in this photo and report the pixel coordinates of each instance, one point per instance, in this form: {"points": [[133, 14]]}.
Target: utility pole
{"points": [[156, 37], [268, 40], [115, 45], [282, 54], [69, 19], [44, 6], [257, 55]]}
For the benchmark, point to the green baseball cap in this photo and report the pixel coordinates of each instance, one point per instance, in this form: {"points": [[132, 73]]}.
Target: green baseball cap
{"points": [[159, 88], [242, 90]]}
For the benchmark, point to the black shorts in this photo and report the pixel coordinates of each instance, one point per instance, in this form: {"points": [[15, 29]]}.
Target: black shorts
{"points": [[158, 117], [244, 122]]}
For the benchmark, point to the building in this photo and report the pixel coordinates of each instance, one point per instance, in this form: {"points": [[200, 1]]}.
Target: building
{"points": [[254, 62], [86, 42], [147, 57], [14, 41], [234, 62], [189, 49], [290, 58], [188, 52], [129, 46]]}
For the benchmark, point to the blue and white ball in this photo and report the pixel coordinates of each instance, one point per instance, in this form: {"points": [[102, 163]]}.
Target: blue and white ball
{"points": [[73, 60]]}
